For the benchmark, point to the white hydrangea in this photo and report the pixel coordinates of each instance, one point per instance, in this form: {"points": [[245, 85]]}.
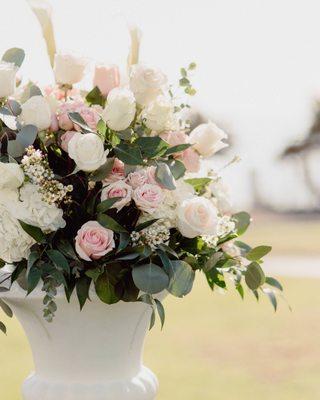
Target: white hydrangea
{"points": [[34, 211], [15, 243]]}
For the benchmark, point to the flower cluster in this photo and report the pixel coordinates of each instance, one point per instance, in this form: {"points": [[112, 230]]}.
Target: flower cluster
{"points": [[98, 186]]}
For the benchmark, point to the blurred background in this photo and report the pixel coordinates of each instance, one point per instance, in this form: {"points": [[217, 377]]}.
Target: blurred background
{"points": [[258, 77]]}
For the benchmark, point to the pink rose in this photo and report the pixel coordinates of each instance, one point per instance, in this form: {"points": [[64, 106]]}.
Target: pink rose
{"points": [[65, 139], [148, 197], [117, 189], [190, 159], [93, 241], [106, 77], [89, 114], [151, 175], [137, 178], [117, 172], [60, 94], [175, 138]]}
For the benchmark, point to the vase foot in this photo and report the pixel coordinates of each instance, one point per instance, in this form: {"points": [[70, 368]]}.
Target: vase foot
{"points": [[143, 386]]}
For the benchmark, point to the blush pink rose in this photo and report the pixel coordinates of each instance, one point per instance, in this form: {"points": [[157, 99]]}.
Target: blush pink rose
{"points": [[175, 138], [93, 241], [137, 178], [65, 139], [60, 94], [148, 198], [106, 77], [190, 159], [118, 189], [89, 114], [117, 173]]}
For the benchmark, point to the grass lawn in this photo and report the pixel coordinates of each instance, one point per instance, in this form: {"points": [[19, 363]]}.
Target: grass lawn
{"points": [[217, 347]]}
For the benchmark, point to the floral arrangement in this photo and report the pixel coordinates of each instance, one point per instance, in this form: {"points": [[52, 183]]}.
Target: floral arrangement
{"points": [[106, 190]]}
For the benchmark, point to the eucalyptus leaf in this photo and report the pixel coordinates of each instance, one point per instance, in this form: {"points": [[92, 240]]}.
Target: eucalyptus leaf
{"points": [[15, 56], [105, 290], [177, 168], [161, 311], [9, 119], [150, 278], [77, 119], [258, 252], [274, 282], [272, 297], [181, 281], [15, 148], [164, 176], [254, 276], [27, 135], [242, 220]]}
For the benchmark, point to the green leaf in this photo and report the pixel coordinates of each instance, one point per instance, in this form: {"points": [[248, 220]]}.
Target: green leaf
{"points": [[184, 82], [102, 172], [9, 119], [77, 119], [15, 149], [129, 154], [240, 290], [35, 232], [102, 127], [105, 290], [274, 282], [182, 278], [164, 176], [6, 309], [106, 204], [93, 273], [83, 287], [212, 261], [33, 257], [192, 66], [145, 225], [161, 312], [15, 56], [96, 97], [177, 168], [110, 223], [272, 297], [177, 149], [254, 276], [152, 146], [150, 278], [67, 249], [199, 184], [183, 72], [58, 260], [3, 328], [244, 248], [124, 240], [258, 252], [242, 220], [33, 278], [27, 135]]}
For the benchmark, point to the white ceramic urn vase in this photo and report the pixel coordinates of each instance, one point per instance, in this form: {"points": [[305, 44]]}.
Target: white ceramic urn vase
{"points": [[95, 354]]}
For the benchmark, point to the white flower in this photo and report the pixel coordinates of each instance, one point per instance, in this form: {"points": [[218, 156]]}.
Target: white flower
{"points": [[11, 176], [197, 216], [68, 68], [222, 196], [207, 139], [159, 115], [146, 83], [148, 198], [225, 226], [87, 151], [36, 111], [15, 243], [120, 110], [32, 210], [118, 189], [7, 78], [183, 191]]}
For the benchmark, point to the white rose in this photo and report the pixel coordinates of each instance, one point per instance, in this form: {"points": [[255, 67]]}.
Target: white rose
{"points": [[68, 68], [159, 115], [118, 189], [87, 151], [120, 110], [197, 216], [32, 210], [146, 83], [15, 243], [207, 139], [36, 111], [8, 73], [11, 176], [148, 198]]}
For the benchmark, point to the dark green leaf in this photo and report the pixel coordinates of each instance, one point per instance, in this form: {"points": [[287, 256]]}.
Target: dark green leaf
{"points": [[150, 278], [181, 281], [82, 287], [152, 146], [145, 225], [240, 290], [129, 154], [105, 290], [93, 273], [177, 149], [254, 276], [106, 204], [164, 176], [35, 232], [59, 260], [95, 97], [274, 282], [110, 223], [33, 257], [6, 309], [258, 252], [124, 240], [14, 56], [3, 328], [102, 172], [161, 311], [33, 278], [67, 249], [77, 119], [242, 220]]}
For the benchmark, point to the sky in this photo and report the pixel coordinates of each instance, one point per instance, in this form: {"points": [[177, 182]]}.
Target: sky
{"points": [[258, 66]]}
